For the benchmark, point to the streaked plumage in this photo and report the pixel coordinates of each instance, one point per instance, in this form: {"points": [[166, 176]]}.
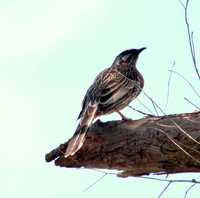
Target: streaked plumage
{"points": [[112, 90]]}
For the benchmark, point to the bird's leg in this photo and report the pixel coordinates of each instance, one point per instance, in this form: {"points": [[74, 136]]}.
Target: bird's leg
{"points": [[124, 118]]}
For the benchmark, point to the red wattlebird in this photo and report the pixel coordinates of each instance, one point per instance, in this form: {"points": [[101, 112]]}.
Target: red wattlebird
{"points": [[112, 90]]}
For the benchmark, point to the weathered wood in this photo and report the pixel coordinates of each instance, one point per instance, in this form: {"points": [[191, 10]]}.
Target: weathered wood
{"points": [[138, 147]]}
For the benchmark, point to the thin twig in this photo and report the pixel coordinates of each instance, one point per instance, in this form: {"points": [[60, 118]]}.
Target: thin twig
{"points": [[150, 115], [153, 178], [190, 187], [190, 38], [145, 106], [193, 47], [182, 3], [189, 83], [193, 181], [166, 187], [192, 103], [94, 183], [168, 85], [172, 181], [155, 105]]}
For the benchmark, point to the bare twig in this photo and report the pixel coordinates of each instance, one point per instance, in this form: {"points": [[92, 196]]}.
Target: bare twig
{"points": [[172, 181], [94, 183], [148, 109], [193, 47], [192, 103], [150, 115], [190, 37], [193, 181], [166, 187], [190, 187], [182, 3], [168, 85], [169, 181], [189, 83], [155, 105], [154, 178]]}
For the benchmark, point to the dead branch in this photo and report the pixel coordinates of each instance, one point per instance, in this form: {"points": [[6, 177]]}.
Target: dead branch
{"points": [[137, 147]]}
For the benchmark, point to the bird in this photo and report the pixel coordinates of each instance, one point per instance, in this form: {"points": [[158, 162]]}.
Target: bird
{"points": [[112, 90]]}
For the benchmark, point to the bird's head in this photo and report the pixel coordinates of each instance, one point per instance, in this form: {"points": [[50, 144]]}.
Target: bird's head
{"points": [[128, 57]]}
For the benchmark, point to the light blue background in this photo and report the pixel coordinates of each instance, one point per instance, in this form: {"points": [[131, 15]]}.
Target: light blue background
{"points": [[50, 52]]}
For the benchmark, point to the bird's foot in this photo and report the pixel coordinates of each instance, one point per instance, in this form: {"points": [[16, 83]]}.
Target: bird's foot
{"points": [[98, 121]]}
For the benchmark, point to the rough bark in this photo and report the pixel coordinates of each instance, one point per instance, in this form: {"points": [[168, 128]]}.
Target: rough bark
{"points": [[138, 147]]}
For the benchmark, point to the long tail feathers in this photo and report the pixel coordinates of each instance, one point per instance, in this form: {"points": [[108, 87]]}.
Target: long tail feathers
{"points": [[76, 142], [79, 136]]}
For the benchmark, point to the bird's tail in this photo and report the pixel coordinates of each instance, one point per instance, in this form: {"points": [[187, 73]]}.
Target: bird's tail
{"points": [[78, 138]]}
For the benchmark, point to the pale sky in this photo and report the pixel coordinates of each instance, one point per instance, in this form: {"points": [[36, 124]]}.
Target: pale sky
{"points": [[50, 52]]}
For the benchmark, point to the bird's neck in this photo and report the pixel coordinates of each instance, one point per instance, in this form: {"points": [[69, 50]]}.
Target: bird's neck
{"points": [[128, 70], [131, 72]]}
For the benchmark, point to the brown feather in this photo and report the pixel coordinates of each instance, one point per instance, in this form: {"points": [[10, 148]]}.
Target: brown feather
{"points": [[78, 138]]}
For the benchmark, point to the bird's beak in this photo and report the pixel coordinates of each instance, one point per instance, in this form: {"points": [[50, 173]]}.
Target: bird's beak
{"points": [[141, 49]]}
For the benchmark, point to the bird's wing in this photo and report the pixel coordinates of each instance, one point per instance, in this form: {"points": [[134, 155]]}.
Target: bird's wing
{"points": [[92, 94], [109, 89], [115, 87]]}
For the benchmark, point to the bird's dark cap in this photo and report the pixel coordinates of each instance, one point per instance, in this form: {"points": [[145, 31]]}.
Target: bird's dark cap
{"points": [[132, 51]]}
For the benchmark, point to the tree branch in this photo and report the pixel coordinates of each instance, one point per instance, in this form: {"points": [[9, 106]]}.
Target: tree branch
{"points": [[135, 148]]}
